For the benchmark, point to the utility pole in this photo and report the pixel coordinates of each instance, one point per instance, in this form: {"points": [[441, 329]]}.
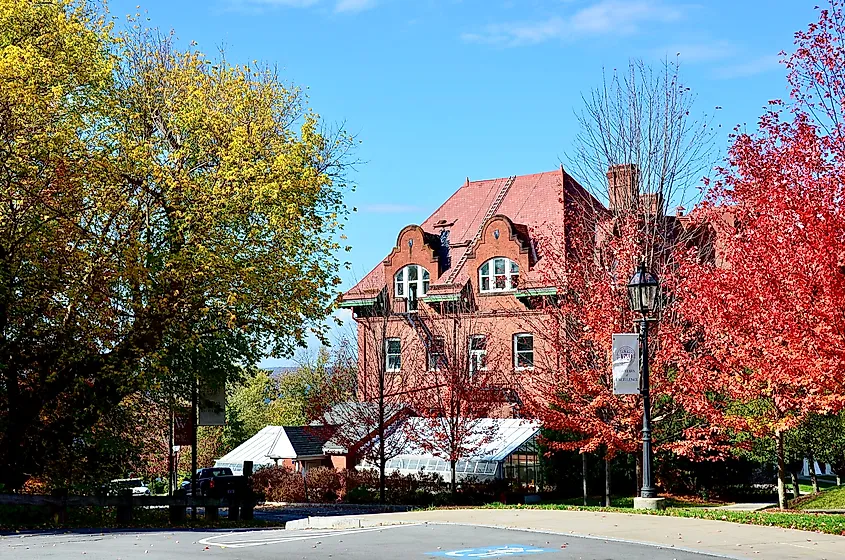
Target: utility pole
{"points": [[194, 397]]}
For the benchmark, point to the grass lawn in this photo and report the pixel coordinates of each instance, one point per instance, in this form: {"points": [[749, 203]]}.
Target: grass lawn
{"points": [[808, 488], [628, 502], [825, 523], [832, 498]]}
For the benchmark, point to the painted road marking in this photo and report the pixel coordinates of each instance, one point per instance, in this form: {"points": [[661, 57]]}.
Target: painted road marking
{"points": [[503, 551], [266, 537]]}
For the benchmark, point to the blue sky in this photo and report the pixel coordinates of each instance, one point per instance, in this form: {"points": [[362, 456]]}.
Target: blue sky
{"points": [[438, 90]]}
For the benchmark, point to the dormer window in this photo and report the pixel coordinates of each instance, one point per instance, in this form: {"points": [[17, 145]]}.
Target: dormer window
{"points": [[411, 282], [498, 275]]}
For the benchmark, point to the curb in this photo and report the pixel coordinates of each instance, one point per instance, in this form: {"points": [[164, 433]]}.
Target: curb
{"points": [[339, 522]]}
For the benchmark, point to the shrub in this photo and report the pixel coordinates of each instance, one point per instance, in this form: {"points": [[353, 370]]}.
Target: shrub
{"points": [[279, 484], [324, 484]]}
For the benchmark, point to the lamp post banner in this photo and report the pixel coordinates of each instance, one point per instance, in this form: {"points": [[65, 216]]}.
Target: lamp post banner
{"points": [[212, 406], [626, 364]]}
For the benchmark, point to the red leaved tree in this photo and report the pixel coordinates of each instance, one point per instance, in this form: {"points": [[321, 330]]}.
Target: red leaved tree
{"points": [[772, 315], [461, 378], [640, 150]]}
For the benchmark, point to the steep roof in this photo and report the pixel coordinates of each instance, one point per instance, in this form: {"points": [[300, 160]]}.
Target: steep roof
{"points": [[272, 443], [530, 201]]}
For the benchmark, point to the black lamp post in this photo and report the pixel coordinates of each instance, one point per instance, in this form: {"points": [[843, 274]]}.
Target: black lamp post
{"points": [[643, 292]]}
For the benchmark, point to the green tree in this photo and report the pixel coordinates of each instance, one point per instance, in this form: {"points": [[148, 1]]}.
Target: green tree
{"points": [[259, 399], [158, 210]]}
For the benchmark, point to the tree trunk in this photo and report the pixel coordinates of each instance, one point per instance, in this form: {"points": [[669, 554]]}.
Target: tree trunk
{"points": [[606, 482], [796, 489], [781, 471], [454, 482], [382, 462], [811, 458], [584, 475]]}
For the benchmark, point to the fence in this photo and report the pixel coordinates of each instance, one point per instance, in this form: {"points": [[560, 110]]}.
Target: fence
{"points": [[240, 505]]}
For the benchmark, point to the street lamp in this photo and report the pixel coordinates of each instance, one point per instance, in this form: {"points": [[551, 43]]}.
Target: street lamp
{"points": [[643, 293]]}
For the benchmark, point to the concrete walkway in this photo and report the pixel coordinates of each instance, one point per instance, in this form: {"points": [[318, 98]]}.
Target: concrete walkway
{"points": [[721, 538]]}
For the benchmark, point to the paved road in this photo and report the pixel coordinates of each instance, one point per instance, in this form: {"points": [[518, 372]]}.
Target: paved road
{"points": [[401, 541]]}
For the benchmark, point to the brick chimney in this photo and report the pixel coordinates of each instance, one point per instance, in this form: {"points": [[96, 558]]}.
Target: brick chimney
{"points": [[623, 186]]}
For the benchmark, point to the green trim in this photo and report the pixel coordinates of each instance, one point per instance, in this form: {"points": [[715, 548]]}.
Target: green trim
{"points": [[537, 292], [444, 297], [358, 302]]}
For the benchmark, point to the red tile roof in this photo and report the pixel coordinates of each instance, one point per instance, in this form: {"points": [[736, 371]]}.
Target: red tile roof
{"points": [[531, 201]]}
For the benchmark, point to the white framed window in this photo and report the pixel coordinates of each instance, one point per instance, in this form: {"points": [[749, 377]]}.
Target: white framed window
{"points": [[523, 351], [477, 353], [437, 353], [498, 275], [392, 354], [411, 282]]}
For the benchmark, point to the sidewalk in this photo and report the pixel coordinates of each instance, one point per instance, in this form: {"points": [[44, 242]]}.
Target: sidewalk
{"points": [[732, 540]]}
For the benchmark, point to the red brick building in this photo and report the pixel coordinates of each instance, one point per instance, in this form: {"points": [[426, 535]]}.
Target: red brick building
{"points": [[469, 276]]}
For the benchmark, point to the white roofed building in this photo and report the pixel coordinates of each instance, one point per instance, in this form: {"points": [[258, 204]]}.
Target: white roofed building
{"points": [[510, 452]]}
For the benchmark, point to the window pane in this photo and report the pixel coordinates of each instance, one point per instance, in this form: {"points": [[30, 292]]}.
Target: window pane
{"points": [[524, 342], [499, 266], [485, 283], [400, 276], [425, 286], [412, 273], [485, 269], [477, 343], [400, 288], [514, 280], [525, 359], [425, 275], [394, 362], [394, 346], [514, 267]]}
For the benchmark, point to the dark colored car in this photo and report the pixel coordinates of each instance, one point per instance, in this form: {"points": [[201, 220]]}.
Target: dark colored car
{"points": [[215, 482]]}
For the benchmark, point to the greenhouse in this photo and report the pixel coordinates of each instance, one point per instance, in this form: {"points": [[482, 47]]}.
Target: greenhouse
{"points": [[510, 451]]}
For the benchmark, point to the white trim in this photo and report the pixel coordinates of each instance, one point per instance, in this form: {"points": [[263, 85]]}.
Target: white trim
{"points": [[429, 354], [421, 283], [474, 353], [387, 355], [509, 275], [516, 352]]}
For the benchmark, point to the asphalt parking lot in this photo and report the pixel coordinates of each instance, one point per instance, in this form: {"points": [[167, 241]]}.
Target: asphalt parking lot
{"points": [[430, 541]]}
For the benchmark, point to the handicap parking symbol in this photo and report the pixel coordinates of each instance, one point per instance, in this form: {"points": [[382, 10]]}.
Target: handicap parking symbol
{"points": [[502, 551]]}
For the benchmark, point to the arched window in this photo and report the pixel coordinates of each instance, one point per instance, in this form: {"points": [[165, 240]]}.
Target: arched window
{"points": [[498, 275], [411, 282]]}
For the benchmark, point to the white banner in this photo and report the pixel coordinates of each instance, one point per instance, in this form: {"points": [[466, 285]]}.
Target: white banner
{"points": [[626, 364], [212, 406]]}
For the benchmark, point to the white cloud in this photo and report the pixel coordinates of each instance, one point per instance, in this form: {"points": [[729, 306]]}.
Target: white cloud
{"points": [[354, 6], [390, 208], [749, 68], [602, 18]]}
